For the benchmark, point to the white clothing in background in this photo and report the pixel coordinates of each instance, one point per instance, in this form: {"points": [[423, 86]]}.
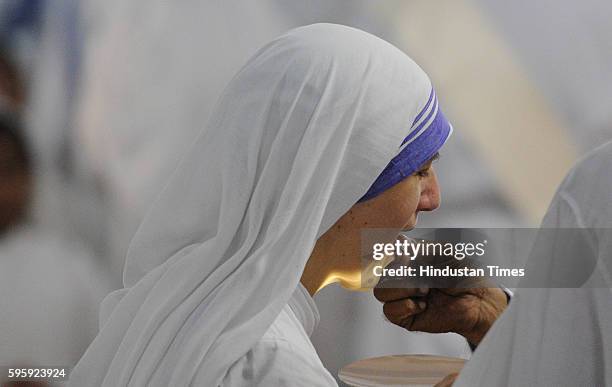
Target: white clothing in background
{"points": [[51, 291], [558, 337]]}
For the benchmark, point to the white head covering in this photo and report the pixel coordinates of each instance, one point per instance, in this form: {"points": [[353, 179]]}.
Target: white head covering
{"points": [[298, 136], [560, 336]]}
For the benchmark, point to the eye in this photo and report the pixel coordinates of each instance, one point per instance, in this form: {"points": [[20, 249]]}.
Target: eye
{"points": [[423, 173]]}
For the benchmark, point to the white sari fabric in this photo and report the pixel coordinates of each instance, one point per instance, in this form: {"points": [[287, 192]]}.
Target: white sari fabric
{"points": [[560, 336], [298, 136]]}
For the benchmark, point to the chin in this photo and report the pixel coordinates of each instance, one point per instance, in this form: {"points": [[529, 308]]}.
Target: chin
{"points": [[411, 224]]}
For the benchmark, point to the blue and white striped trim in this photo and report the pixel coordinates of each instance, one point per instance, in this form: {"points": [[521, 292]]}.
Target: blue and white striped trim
{"points": [[428, 132]]}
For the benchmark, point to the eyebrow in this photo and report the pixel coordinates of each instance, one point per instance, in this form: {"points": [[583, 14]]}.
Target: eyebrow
{"points": [[427, 164]]}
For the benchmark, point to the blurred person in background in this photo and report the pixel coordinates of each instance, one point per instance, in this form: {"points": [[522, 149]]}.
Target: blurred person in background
{"points": [[14, 162], [16, 176], [15, 192], [51, 287], [559, 334], [11, 86]]}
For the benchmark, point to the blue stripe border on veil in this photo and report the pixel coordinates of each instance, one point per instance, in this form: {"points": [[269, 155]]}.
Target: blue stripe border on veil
{"points": [[419, 147]]}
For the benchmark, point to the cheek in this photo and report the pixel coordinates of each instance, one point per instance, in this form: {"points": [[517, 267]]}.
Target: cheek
{"points": [[407, 199], [407, 209], [394, 209], [400, 208]]}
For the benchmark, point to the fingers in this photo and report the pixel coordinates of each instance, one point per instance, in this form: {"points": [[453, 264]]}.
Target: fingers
{"points": [[447, 381], [390, 294], [476, 291], [402, 312], [401, 305]]}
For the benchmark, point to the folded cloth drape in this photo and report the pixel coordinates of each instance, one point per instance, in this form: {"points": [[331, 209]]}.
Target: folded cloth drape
{"points": [[559, 335], [297, 137]]}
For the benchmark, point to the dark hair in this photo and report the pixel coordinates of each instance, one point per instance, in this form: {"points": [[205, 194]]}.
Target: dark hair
{"points": [[11, 131]]}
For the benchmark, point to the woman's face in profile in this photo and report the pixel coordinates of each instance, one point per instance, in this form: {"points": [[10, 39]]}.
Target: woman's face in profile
{"points": [[394, 210], [398, 207]]}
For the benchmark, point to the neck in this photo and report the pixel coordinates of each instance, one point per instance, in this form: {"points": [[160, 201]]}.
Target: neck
{"points": [[316, 275], [321, 271]]}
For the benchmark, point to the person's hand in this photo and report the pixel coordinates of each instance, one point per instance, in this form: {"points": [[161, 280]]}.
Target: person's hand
{"points": [[447, 381], [469, 312]]}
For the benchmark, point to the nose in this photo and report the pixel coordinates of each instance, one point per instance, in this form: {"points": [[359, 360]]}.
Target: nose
{"points": [[430, 192]]}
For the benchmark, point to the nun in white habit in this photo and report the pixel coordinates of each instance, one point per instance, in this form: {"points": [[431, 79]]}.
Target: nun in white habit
{"points": [[325, 130], [560, 335]]}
